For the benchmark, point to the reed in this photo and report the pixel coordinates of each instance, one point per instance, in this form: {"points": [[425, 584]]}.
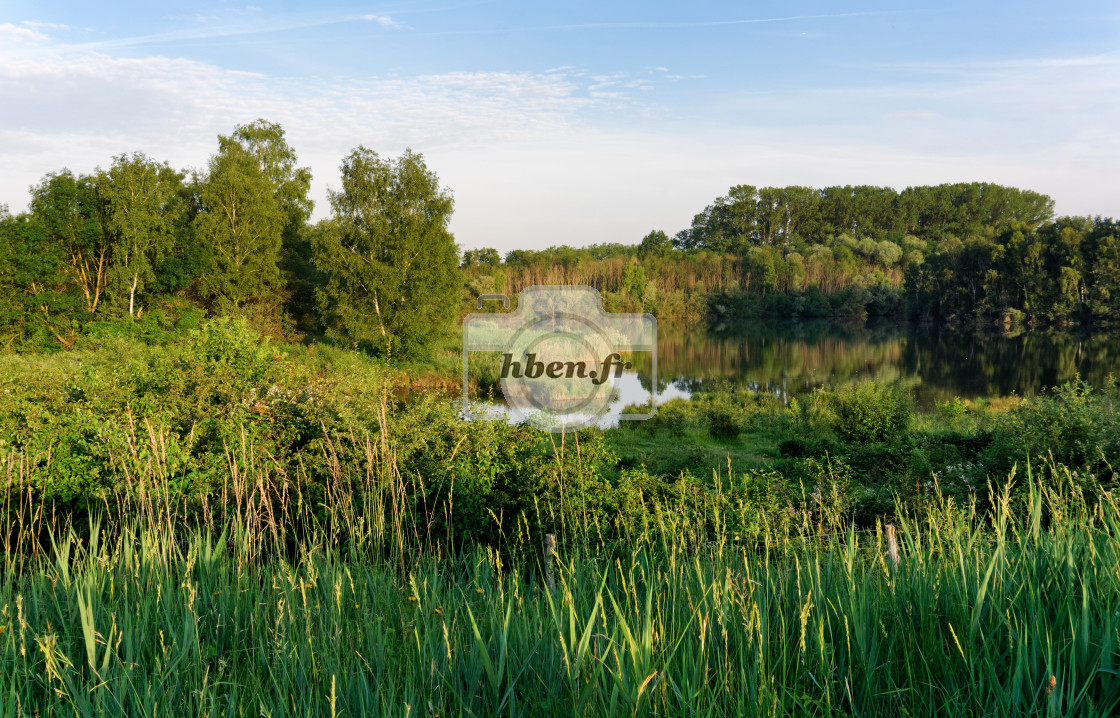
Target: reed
{"points": [[268, 603]]}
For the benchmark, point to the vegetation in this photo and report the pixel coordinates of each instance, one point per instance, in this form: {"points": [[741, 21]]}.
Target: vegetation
{"points": [[952, 252], [234, 241], [379, 274], [299, 554], [388, 257], [213, 504]]}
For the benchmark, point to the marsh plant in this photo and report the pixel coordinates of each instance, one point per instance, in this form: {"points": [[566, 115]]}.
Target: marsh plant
{"points": [[268, 601], [227, 527]]}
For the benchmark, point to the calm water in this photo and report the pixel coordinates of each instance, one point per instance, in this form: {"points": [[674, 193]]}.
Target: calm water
{"points": [[789, 358]]}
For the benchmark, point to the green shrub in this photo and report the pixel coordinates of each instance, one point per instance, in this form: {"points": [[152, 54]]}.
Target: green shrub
{"points": [[871, 412], [1073, 425], [952, 410], [677, 418], [725, 421], [231, 347]]}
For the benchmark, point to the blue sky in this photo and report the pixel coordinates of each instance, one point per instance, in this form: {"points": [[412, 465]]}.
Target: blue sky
{"points": [[578, 123]]}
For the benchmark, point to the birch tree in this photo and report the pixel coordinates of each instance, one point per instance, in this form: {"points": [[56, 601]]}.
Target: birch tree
{"points": [[139, 195], [388, 256]]}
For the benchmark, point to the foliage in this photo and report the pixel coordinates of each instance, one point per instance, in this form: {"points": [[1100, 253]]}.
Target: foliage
{"points": [[71, 215], [36, 303], [236, 239], [290, 184], [140, 210], [388, 257], [654, 245], [141, 610], [869, 412], [242, 224], [1073, 425]]}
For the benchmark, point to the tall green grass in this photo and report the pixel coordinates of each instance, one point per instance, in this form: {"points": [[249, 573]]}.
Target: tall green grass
{"points": [[1013, 611], [240, 535]]}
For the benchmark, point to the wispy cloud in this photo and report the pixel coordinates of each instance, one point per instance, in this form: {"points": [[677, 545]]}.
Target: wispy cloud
{"points": [[574, 154], [24, 34], [384, 21], [653, 25], [672, 24], [1102, 59], [45, 25], [238, 22], [173, 108]]}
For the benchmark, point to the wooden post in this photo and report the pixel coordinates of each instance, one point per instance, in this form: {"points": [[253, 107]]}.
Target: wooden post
{"points": [[892, 545], [549, 552]]}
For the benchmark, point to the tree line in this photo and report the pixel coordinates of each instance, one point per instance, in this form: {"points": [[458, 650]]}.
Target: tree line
{"points": [[142, 242], [963, 252], [234, 238]]}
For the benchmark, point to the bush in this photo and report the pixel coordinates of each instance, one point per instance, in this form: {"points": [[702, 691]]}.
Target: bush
{"points": [[1074, 426], [952, 411], [725, 421], [871, 412], [677, 418]]}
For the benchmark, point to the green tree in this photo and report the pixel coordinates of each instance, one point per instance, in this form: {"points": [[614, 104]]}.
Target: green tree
{"points": [[794, 271], [264, 142], [36, 302], [140, 206], [654, 245], [1105, 291], [634, 279], [1027, 270], [389, 259], [1065, 241], [761, 272], [290, 185], [739, 214], [485, 258], [887, 253], [242, 225], [69, 211]]}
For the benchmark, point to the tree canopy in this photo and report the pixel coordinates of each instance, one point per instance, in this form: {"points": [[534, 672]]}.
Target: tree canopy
{"points": [[383, 272], [387, 255]]}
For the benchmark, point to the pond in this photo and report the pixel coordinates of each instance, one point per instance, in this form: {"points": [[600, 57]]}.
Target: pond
{"points": [[934, 363]]}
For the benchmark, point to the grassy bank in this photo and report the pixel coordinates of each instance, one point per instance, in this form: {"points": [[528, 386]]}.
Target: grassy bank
{"points": [[223, 408], [224, 526], [1011, 612]]}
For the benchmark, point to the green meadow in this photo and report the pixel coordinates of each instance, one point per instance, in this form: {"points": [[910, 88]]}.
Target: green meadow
{"points": [[220, 525]]}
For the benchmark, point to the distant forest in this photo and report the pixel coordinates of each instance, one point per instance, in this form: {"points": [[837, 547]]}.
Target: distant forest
{"points": [[951, 252], [143, 243]]}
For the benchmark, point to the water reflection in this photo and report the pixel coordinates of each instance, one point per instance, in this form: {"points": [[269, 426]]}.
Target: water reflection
{"points": [[937, 363], [628, 390]]}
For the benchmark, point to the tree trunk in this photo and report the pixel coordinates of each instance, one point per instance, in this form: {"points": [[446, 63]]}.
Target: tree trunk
{"points": [[377, 310], [132, 292], [99, 280]]}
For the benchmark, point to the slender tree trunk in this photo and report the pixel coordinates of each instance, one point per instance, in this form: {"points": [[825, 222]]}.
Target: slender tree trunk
{"points": [[132, 292], [78, 263], [99, 281], [377, 309]]}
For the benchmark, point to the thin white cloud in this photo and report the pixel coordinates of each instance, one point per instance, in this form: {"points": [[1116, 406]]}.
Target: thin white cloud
{"points": [[173, 109], [573, 156], [239, 22], [384, 21], [678, 25], [35, 25], [24, 34], [1099, 59], [718, 23]]}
